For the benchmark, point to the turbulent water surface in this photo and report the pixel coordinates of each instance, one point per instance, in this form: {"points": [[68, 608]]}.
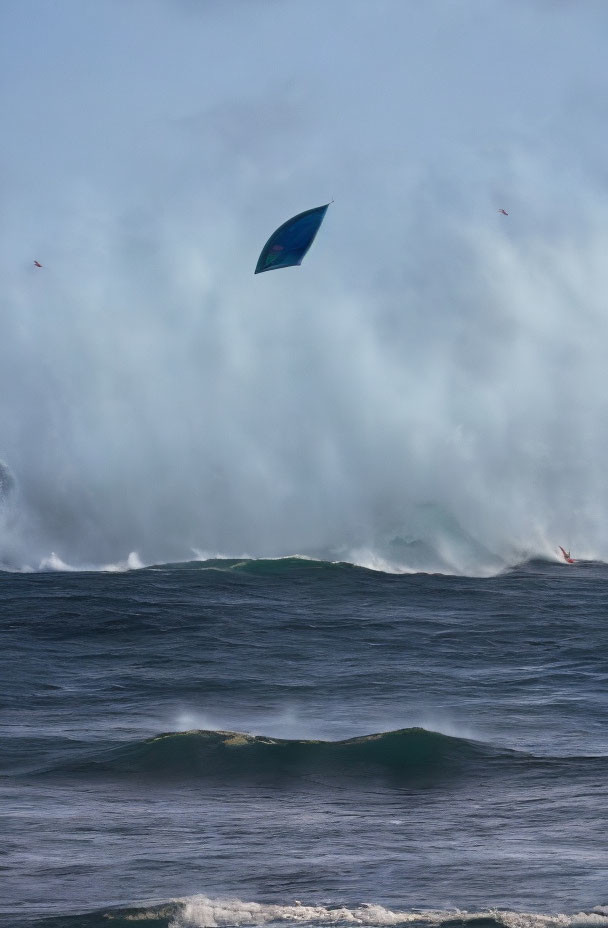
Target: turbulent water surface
{"points": [[297, 742]]}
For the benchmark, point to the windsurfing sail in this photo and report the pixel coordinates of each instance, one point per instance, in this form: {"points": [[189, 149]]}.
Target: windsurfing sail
{"points": [[287, 246], [567, 558]]}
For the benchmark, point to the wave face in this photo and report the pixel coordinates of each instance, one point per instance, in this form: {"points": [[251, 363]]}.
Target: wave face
{"points": [[410, 755]]}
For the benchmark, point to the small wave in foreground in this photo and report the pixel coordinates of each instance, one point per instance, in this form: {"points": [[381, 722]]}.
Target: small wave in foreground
{"points": [[204, 912]]}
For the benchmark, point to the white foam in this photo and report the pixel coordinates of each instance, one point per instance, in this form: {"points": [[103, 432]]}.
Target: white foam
{"points": [[371, 560], [200, 555], [54, 562], [210, 556], [204, 912], [133, 562]]}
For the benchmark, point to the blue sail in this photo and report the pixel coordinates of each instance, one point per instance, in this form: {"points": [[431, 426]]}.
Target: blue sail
{"points": [[290, 242]]}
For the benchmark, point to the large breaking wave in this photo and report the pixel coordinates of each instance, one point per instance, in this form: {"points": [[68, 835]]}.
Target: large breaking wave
{"points": [[426, 425], [289, 565]]}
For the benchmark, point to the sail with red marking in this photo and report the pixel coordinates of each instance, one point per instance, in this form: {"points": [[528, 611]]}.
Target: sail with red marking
{"points": [[288, 244]]}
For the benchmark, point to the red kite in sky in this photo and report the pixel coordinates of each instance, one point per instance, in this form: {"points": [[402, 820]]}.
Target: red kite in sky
{"points": [[37, 264], [503, 211]]}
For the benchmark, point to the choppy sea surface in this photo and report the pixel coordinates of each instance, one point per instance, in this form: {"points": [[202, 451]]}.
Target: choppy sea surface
{"points": [[293, 742]]}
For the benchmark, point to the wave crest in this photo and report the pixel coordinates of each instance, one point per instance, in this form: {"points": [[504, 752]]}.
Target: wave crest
{"points": [[411, 755]]}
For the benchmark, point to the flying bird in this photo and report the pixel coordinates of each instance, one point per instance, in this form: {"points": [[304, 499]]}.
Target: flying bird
{"points": [[37, 264], [503, 211]]}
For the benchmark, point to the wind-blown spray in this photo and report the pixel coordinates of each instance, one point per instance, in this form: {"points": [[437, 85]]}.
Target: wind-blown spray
{"points": [[428, 392]]}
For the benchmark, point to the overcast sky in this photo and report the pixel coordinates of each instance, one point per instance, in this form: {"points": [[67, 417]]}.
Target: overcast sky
{"points": [[434, 374]]}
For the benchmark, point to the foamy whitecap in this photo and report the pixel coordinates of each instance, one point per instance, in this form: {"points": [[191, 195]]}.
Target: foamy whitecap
{"points": [[54, 562], [204, 912]]}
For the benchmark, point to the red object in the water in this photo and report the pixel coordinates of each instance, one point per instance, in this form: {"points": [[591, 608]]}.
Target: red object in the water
{"points": [[503, 211], [567, 558], [37, 263]]}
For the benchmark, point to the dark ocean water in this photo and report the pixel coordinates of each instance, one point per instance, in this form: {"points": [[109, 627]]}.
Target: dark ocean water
{"points": [[417, 749]]}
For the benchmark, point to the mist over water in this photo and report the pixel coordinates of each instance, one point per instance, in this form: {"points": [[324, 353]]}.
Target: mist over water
{"points": [[428, 391]]}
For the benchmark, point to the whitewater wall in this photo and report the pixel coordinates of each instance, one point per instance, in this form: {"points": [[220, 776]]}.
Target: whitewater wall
{"points": [[428, 391]]}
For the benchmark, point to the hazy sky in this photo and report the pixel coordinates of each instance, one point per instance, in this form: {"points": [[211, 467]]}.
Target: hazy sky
{"points": [[432, 379]]}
